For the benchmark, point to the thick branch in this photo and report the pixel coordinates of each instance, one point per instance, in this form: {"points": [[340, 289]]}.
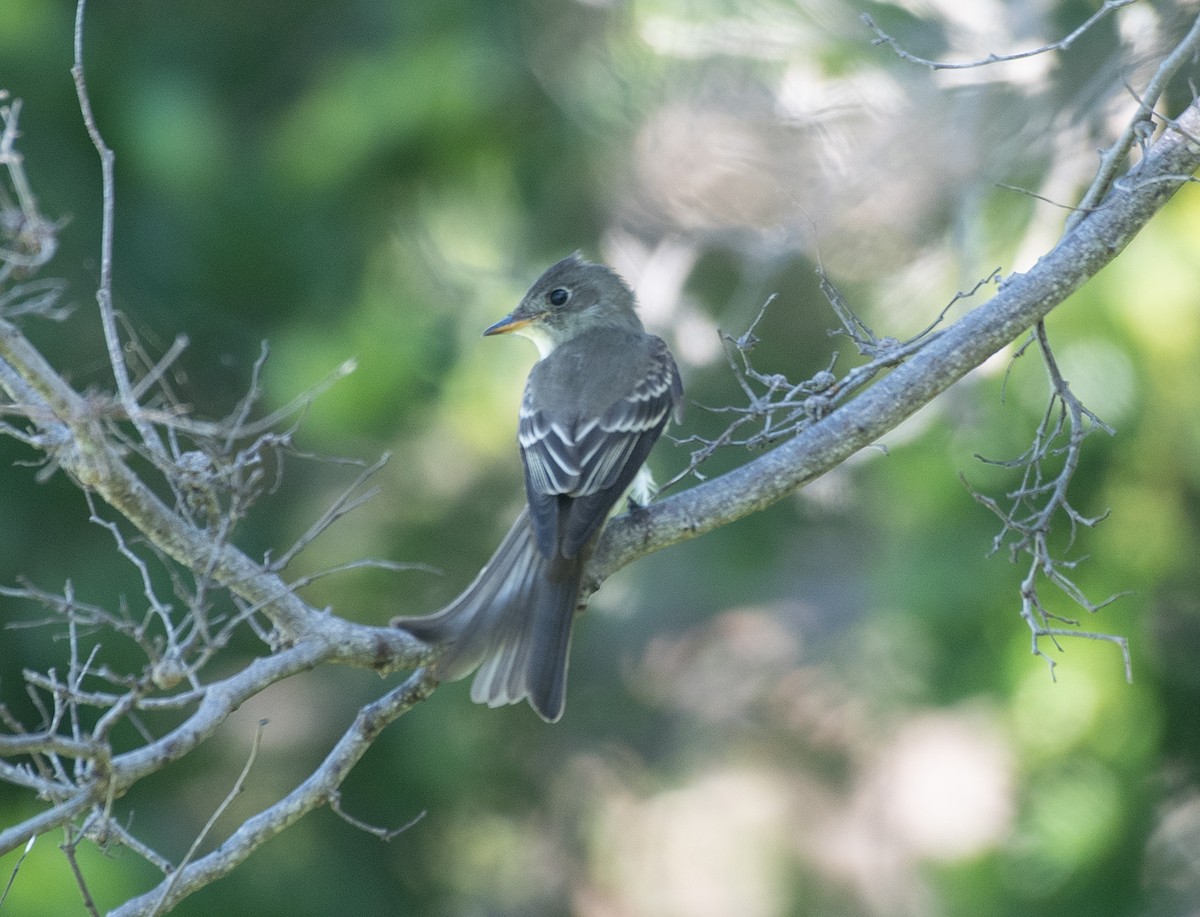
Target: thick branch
{"points": [[63, 812], [1024, 299]]}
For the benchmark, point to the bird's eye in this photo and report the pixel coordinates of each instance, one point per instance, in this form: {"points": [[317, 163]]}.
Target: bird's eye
{"points": [[559, 296]]}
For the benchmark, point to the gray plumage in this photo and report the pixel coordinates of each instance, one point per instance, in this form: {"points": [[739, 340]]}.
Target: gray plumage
{"points": [[594, 405]]}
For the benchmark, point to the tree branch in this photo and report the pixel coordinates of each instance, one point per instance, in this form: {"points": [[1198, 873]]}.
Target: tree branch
{"points": [[1097, 238], [883, 38], [1140, 124], [75, 438], [319, 789]]}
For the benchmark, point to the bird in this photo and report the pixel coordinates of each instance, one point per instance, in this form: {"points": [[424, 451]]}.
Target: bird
{"points": [[595, 402]]}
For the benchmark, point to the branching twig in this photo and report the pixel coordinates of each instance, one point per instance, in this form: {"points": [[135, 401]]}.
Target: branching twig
{"points": [[777, 408], [219, 700], [1047, 469], [160, 368], [346, 502], [108, 320], [1110, 163], [384, 834], [318, 790], [30, 239], [883, 38]]}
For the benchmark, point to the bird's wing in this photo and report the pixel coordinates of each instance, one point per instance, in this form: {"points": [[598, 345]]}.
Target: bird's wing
{"points": [[577, 467]]}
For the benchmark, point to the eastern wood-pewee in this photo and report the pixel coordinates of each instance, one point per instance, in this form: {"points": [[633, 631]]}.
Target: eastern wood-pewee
{"points": [[594, 405]]}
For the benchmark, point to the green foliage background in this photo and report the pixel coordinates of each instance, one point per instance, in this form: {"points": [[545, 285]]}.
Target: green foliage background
{"points": [[830, 708]]}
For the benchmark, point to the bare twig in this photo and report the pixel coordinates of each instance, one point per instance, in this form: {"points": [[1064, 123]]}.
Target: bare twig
{"points": [[38, 297], [108, 319], [12, 876], [883, 38], [1137, 127], [317, 790], [112, 832], [31, 240], [777, 408], [346, 502], [233, 793], [1047, 469], [127, 395], [296, 405], [384, 834], [68, 848], [1035, 196], [1111, 162], [150, 379], [364, 564]]}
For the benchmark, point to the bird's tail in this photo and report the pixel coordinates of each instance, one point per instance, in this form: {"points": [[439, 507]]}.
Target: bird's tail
{"points": [[513, 623]]}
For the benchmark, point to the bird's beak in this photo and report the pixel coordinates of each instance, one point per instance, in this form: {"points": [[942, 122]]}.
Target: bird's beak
{"points": [[510, 322]]}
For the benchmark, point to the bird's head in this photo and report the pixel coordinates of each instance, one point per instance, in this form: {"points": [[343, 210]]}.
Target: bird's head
{"points": [[571, 297]]}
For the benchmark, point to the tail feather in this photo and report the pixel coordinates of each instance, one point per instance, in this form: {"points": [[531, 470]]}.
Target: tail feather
{"points": [[513, 623], [554, 614]]}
